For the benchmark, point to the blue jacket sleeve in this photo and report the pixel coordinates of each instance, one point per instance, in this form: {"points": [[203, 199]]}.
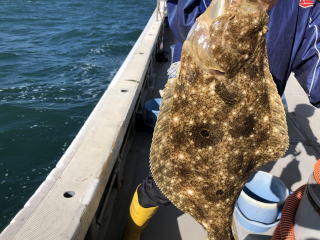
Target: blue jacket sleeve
{"points": [[306, 64], [181, 16]]}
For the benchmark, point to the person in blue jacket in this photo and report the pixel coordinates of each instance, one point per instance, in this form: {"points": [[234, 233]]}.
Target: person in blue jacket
{"points": [[293, 45]]}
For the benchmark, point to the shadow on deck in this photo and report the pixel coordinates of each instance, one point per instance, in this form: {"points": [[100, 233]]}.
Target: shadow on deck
{"points": [[294, 168]]}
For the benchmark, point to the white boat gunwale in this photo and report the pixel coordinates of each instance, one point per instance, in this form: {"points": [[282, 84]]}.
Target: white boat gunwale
{"points": [[86, 166]]}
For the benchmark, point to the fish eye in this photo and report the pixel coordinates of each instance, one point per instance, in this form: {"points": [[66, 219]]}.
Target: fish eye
{"points": [[205, 133]]}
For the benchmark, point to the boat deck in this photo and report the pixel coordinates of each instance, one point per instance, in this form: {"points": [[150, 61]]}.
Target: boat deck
{"points": [[294, 168], [171, 224]]}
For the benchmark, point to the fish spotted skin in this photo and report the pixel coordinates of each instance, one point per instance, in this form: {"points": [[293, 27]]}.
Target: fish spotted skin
{"points": [[219, 120]]}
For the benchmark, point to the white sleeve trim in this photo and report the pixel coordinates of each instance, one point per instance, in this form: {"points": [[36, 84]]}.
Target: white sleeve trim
{"points": [[318, 52]]}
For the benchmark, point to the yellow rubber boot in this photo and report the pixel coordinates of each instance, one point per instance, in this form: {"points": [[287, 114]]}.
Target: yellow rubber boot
{"points": [[138, 219]]}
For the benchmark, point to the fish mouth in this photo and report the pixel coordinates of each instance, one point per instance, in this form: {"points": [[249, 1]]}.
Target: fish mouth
{"points": [[216, 72]]}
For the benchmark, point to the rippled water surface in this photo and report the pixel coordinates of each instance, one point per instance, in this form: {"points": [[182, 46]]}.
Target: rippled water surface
{"points": [[56, 60]]}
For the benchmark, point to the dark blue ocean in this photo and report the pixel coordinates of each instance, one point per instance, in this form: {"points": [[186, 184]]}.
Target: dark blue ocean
{"points": [[56, 60]]}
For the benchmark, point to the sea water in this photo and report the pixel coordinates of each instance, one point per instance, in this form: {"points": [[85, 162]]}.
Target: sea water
{"points": [[56, 60]]}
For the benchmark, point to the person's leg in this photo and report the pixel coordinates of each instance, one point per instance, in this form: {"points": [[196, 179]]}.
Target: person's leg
{"points": [[145, 202], [147, 197], [150, 195]]}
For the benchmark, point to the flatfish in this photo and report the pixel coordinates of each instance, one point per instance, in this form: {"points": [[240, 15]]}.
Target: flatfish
{"points": [[221, 118]]}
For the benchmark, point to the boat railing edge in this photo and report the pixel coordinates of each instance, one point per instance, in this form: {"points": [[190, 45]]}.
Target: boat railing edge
{"points": [[69, 196]]}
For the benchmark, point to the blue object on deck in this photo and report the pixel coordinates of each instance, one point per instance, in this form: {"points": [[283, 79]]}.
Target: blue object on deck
{"points": [[151, 108], [250, 225], [262, 198]]}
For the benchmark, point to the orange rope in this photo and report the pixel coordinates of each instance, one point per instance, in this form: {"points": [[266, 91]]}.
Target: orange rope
{"points": [[316, 172], [285, 228]]}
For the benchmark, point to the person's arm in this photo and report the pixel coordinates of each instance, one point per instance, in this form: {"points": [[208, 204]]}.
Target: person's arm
{"points": [[307, 61]]}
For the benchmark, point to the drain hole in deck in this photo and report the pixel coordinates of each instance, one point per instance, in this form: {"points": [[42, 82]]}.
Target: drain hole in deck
{"points": [[69, 194], [124, 90]]}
